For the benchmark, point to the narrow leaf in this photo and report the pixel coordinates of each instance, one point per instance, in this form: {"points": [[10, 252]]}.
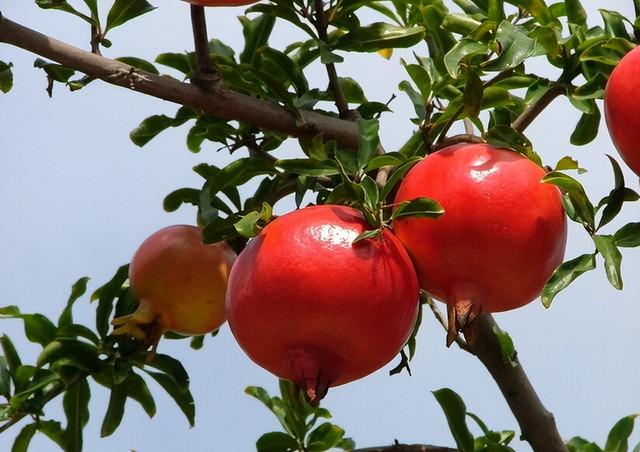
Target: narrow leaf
{"points": [[565, 274], [76, 408], [618, 438], [612, 258], [455, 411], [123, 11]]}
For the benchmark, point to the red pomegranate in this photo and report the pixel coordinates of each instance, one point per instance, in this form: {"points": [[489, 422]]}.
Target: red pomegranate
{"points": [[180, 282], [221, 2], [311, 306], [500, 238], [622, 108]]}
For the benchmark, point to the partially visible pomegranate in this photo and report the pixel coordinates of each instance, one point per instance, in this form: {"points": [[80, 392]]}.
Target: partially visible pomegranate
{"points": [[501, 236], [181, 284], [311, 306], [221, 2], [622, 108]]}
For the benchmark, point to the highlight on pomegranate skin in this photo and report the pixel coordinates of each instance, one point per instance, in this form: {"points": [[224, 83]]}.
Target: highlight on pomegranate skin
{"points": [[311, 306], [502, 234]]}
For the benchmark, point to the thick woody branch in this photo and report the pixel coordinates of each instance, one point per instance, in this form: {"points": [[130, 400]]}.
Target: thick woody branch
{"points": [[537, 425], [218, 102]]}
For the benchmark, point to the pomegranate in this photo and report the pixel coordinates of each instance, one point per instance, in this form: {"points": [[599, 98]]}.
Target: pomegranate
{"points": [[622, 108], [311, 306], [221, 2], [500, 238], [180, 282]]}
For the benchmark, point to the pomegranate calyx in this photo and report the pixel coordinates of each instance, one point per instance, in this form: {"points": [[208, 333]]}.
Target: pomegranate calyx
{"points": [[459, 315], [138, 324]]}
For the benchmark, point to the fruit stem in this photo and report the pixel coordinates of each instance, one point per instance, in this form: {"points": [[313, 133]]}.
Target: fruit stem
{"points": [[207, 75], [459, 315]]}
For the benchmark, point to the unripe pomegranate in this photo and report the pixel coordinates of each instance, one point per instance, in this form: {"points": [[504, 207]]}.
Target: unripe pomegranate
{"points": [[501, 236], [181, 284], [311, 306], [622, 108], [221, 2]]}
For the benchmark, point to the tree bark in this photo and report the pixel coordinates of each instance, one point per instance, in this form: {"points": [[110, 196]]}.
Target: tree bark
{"points": [[218, 102], [537, 424]]}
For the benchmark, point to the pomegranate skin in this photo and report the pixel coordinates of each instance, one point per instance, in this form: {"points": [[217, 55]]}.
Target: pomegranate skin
{"points": [[221, 2], [182, 280], [502, 234], [622, 108], [311, 307]]}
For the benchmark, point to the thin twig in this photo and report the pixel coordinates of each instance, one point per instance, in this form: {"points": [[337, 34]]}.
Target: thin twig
{"points": [[532, 111], [334, 82], [207, 74]]}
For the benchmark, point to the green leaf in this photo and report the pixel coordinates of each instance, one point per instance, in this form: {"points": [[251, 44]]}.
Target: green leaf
{"points": [[256, 35], [53, 431], [76, 409], [628, 236], [138, 390], [565, 274], [577, 196], [324, 437], [123, 11], [418, 207], [605, 244], [176, 198], [578, 444], [575, 12], [57, 72], [38, 328], [248, 226], [515, 47], [397, 176], [464, 50], [369, 141], [153, 125], [276, 442], [239, 172], [77, 290], [308, 167], [618, 438], [368, 234], [62, 5], [115, 410], [6, 77], [586, 129], [388, 159], [139, 63], [21, 443], [569, 163], [379, 35], [5, 378], [455, 411], [70, 352], [106, 296], [169, 366], [538, 9], [507, 349], [180, 394], [11, 356]]}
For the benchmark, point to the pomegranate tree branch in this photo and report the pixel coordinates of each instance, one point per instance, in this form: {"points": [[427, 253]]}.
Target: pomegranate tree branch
{"points": [[532, 111], [219, 102], [537, 425], [207, 73]]}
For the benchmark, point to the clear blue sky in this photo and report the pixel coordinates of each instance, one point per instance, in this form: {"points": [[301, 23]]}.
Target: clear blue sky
{"points": [[77, 198]]}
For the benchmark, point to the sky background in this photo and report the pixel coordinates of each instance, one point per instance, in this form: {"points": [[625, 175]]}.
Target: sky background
{"points": [[77, 197]]}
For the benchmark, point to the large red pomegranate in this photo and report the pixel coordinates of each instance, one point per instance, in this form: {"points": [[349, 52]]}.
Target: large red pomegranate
{"points": [[181, 284], [501, 236], [221, 2], [622, 108], [311, 306]]}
